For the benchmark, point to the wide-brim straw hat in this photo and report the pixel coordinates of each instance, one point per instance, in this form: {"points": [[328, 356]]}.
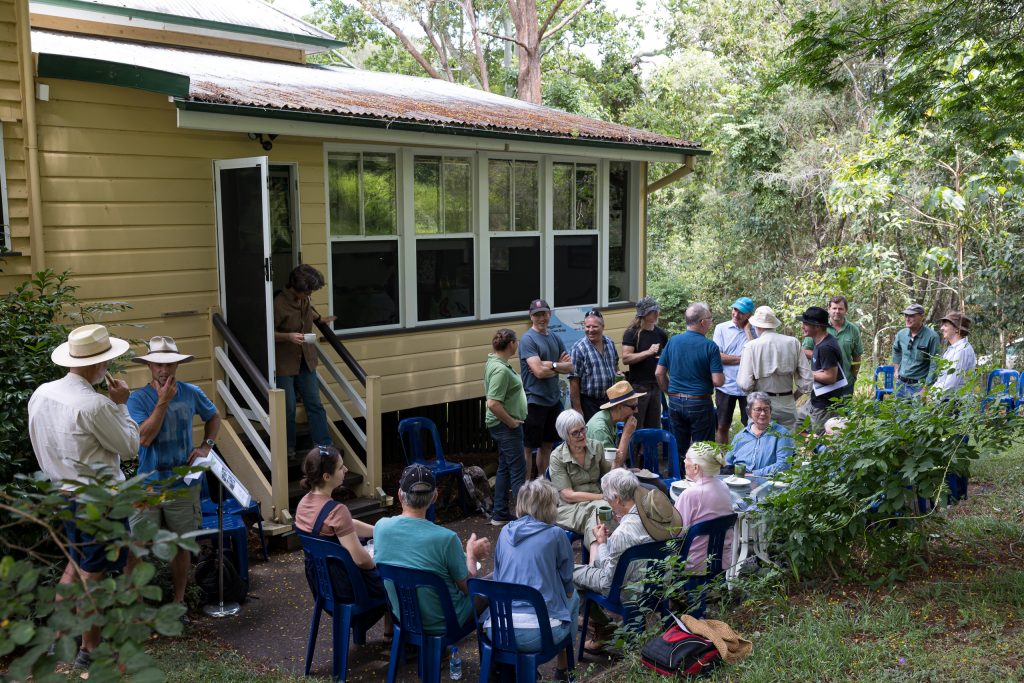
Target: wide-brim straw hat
{"points": [[732, 646], [764, 317], [88, 345], [660, 518], [619, 393], [163, 350]]}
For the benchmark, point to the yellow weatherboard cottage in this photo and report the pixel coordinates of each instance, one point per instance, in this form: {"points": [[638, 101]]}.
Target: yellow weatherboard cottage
{"points": [[179, 155]]}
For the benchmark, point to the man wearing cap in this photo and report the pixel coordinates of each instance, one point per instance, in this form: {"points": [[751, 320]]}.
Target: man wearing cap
{"points": [[773, 363], [620, 407], [689, 369], [731, 336], [595, 364], [826, 366], [164, 409], [76, 431], [413, 541], [642, 343], [913, 353], [848, 336], [542, 359], [958, 359]]}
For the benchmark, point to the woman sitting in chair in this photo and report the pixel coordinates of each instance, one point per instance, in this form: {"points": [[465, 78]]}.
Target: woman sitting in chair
{"points": [[533, 552], [318, 514], [706, 498], [576, 468]]}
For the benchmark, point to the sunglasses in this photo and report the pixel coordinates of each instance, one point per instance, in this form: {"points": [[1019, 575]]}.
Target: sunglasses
{"points": [[593, 313]]}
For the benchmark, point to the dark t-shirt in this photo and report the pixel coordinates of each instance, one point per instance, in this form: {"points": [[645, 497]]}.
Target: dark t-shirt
{"points": [[827, 355], [643, 371], [547, 347]]}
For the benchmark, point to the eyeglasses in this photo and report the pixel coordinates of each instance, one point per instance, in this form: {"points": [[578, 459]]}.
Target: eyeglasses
{"points": [[762, 409], [577, 433]]}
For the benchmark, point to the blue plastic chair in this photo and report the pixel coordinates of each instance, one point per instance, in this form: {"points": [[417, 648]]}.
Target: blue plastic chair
{"points": [[236, 533], [410, 432], [888, 373], [409, 623], [630, 610], [650, 443], [1007, 383], [498, 644], [716, 530], [1020, 396], [324, 552]]}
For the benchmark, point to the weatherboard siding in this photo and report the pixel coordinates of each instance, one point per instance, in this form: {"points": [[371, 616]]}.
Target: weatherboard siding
{"points": [[14, 269]]}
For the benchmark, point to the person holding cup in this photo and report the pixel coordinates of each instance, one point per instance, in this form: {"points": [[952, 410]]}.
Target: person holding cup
{"points": [[295, 352], [576, 468]]}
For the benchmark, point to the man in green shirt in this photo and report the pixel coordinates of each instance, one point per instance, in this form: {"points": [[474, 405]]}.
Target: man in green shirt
{"points": [[847, 335], [506, 411], [622, 405], [913, 354]]}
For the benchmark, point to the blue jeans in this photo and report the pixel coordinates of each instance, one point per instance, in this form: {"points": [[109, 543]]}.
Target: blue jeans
{"points": [[306, 385], [692, 420], [528, 639], [511, 468], [904, 390]]}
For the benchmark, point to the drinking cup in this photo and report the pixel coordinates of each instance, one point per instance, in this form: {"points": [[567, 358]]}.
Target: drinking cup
{"points": [[309, 338], [739, 469], [604, 513]]}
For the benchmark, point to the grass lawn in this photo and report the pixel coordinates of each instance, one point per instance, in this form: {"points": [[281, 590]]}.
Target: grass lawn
{"points": [[957, 617]]}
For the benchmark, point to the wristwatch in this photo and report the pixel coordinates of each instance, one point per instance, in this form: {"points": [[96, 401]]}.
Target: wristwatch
{"points": [[210, 442], [554, 366]]}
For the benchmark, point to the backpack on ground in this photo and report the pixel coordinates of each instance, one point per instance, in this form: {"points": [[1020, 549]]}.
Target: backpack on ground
{"points": [[679, 653], [235, 587], [478, 488]]}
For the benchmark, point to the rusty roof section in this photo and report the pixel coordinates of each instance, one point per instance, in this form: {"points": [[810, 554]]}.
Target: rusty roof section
{"points": [[238, 81]]}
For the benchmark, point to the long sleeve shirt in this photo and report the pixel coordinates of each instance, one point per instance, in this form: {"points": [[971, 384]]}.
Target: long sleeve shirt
{"points": [[598, 575], [764, 454], [774, 363], [914, 357], [960, 360], [706, 499]]}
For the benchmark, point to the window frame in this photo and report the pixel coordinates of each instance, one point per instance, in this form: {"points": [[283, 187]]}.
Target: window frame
{"points": [[600, 228]]}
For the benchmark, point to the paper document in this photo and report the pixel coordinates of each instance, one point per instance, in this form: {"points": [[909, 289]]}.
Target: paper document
{"points": [[220, 469], [820, 389]]}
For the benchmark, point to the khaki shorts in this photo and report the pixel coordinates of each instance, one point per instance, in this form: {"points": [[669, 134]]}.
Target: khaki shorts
{"points": [[180, 513]]}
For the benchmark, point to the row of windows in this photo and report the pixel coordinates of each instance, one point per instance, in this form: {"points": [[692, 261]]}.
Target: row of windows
{"points": [[374, 270]]}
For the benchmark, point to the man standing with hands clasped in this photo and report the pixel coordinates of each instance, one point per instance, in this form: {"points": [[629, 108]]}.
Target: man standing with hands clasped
{"points": [[164, 409]]}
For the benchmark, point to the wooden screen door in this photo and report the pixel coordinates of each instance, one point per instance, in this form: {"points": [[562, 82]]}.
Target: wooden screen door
{"points": [[243, 246]]}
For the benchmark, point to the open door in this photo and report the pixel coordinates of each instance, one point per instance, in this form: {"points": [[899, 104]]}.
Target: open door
{"points": [[243, 246]]}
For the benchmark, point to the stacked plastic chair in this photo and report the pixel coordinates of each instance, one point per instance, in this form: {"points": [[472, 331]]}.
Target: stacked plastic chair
{"points": [[888, 373]]}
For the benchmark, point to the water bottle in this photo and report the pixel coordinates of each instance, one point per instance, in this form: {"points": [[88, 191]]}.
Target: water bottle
{"points": [[455, 665]]}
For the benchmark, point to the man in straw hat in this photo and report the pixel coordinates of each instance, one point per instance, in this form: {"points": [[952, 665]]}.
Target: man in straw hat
{"points": [[959, 358], [76, 431], [164, 409], [620, 407], [773, 363], [644, 514]]}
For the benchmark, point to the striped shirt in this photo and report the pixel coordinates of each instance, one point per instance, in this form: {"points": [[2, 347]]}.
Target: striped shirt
{"points": [[595, 371]]}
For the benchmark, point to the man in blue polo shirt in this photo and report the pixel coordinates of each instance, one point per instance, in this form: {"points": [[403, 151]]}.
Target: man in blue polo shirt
{"points": [[689, 370], [164, 409]]}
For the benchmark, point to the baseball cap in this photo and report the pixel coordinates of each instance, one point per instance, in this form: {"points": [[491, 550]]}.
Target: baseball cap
{"points": [[744, 305], [539, 305], [417, 478], [914, 309]]}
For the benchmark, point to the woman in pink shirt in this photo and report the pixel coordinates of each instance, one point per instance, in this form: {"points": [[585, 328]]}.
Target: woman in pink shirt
{"points": [[706, 498]]}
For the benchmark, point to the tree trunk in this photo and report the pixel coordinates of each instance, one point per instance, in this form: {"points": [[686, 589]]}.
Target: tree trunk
{"points": [[524, 17]]}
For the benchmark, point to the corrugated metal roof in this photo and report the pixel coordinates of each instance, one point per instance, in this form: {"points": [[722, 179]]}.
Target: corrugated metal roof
{"points": [[251, 13], [227, 80]]}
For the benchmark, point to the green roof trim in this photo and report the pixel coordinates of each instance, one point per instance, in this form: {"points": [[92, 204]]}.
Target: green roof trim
{"points": [[425, 127], [149, 15], [113, 73]]}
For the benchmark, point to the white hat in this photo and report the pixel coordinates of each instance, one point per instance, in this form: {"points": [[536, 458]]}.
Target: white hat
{"points": [[764, 317], [88, 345], [163, 350]]}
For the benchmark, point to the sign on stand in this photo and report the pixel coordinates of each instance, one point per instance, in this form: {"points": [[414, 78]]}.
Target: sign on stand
{"points": [[221, 470]]}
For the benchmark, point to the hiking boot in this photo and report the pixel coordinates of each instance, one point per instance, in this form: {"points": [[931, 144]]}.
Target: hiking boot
{"points": [[83, 660]]}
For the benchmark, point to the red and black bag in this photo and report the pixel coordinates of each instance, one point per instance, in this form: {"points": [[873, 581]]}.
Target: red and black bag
{"points": [[678, 653]]}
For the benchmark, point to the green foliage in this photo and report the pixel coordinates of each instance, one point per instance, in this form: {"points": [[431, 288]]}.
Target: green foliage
{"points": [[124, 607], [851, 507]]}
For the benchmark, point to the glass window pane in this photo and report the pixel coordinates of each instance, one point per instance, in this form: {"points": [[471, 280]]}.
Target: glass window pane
{"points": [[379, 182], [515, 273], [458, 198], [426, 177], [618, 232], [343, 185], [444, 279], [586, 193], [562, 177], [365, 283], [576, 270], [499, 186], [527, 190]]}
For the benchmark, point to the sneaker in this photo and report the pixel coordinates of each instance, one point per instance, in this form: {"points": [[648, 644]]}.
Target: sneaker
{"points": [[499, 522], [185, 621], [83, 660]]}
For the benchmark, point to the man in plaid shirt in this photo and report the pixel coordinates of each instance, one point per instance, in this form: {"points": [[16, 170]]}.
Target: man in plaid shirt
{"points": [[595, 364]]}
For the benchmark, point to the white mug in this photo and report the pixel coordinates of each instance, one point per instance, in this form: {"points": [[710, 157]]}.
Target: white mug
{"points": [[309, 338]]}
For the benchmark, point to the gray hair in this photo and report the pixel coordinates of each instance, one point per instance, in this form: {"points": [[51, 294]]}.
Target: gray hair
{"points": [[417, 500], [539, 499], [758, 397], [696, 312], [567, 421], [619, 483]]}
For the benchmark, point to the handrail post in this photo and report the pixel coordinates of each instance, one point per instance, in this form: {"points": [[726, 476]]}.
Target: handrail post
{"points": [[373, 444], [216, 371], [279, 456]]}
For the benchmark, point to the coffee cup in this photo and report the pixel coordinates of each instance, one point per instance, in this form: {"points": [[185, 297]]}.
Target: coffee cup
{"points": [[309, 338], [739, 469], [604, 513], [610, 454]]}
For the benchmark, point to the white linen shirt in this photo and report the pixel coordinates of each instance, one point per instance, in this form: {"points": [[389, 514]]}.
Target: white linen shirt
{"points": [[75, 430], [960, 360], [774, 363]]}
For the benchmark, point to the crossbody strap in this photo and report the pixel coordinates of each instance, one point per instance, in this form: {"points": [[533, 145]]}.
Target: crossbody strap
{"points": [[326, 510]]}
